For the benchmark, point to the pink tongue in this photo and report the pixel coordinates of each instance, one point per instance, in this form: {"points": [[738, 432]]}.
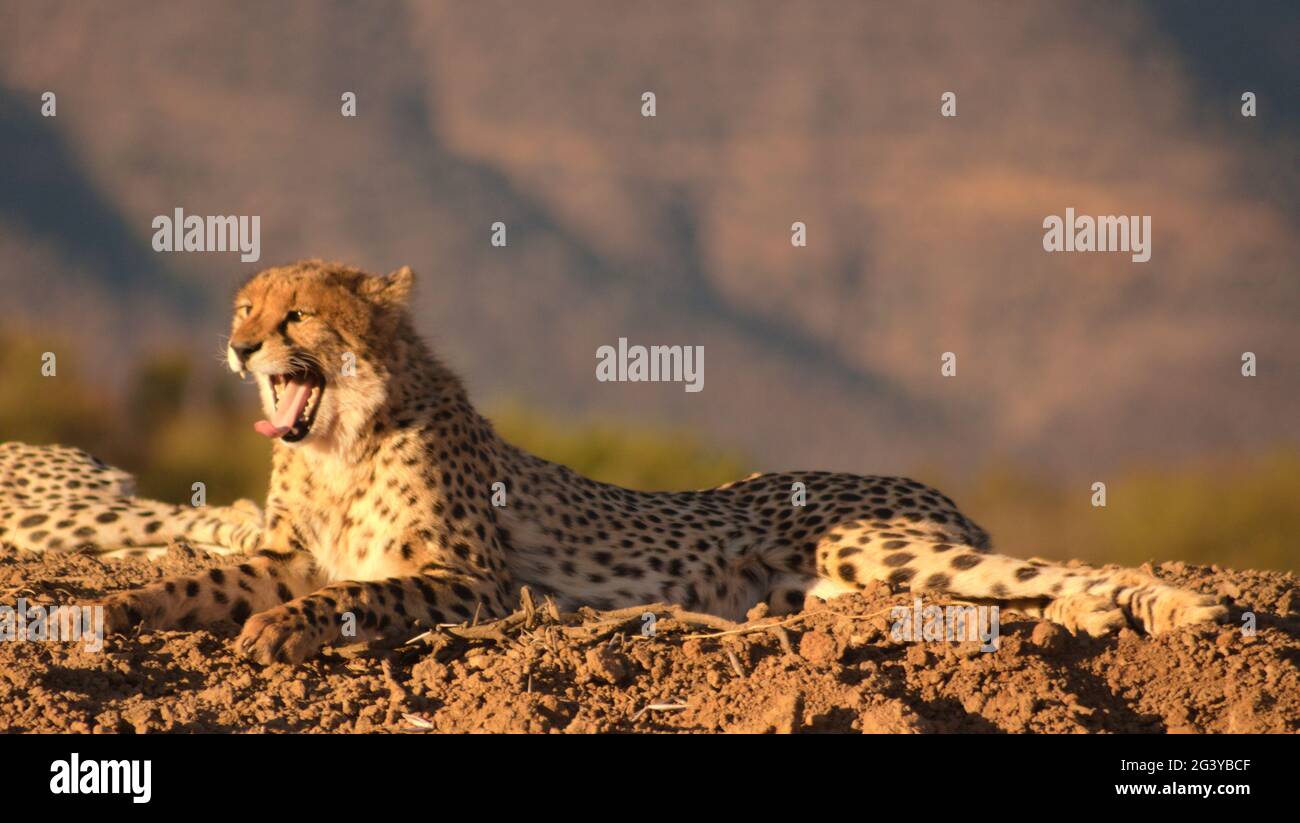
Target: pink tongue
{"points": [[293, 399]]}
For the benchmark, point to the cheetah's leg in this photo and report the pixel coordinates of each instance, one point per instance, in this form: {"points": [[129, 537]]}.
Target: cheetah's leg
{"points": [[129, 525], [1094, 601], [37, 473], [60, 498], [234, 593], [788, 592], [358, 611]]}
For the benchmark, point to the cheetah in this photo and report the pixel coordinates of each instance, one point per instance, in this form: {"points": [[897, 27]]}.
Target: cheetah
{"points": [[384, 512], [58, 498]]}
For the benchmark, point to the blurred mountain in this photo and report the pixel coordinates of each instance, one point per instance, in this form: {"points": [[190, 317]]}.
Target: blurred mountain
{"points": [[924, 232]]}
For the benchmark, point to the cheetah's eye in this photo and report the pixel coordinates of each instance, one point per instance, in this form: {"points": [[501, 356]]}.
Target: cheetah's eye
{"points": [[296, 315], [242, 310]]}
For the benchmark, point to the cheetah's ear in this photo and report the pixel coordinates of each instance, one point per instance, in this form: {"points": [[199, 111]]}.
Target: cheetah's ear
{"points": [[392, 289]]}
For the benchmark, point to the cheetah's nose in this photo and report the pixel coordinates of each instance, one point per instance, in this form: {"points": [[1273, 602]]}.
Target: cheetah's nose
{"points": [[243, 351]]}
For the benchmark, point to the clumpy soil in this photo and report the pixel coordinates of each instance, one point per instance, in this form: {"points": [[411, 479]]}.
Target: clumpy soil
{"points": [[832, 668]]}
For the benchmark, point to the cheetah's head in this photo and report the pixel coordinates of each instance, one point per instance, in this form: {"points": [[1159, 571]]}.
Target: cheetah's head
{"points": [[315, 335]]}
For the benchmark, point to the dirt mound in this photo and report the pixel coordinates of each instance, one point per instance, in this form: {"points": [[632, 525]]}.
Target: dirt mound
{"points": [[832, 668]]}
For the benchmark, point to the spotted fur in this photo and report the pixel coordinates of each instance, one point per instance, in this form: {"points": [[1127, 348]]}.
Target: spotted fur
{"points": [[57, 498], [381, 518]]}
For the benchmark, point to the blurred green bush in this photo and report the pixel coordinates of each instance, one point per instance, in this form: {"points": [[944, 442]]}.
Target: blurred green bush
{"points": [[641, 458], [1240, 511]]}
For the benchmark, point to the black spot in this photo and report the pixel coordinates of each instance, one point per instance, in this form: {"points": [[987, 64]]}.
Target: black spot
{"points": [[938, 581], [240, 611], [626, 570], [426, 591], [998, 590], [191, 588], [217, 576], [152, 526], [900, 576], [32, 520], [966, 561], [106, 517], [1026, 573], [282, 592], [847, 572], [895, 544], [899, 559]]}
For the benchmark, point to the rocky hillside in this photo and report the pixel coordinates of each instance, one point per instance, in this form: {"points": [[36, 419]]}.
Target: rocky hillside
{"points": [[924, 233]]}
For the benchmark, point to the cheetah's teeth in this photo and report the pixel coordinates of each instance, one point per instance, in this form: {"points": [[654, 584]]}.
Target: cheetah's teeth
{"points": [[295, 399]]}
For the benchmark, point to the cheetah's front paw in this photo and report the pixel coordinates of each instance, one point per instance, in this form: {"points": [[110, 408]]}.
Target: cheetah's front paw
{"points": [[276, 636], [126, 610]]}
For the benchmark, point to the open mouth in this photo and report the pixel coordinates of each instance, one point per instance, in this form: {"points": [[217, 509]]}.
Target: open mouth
{"points": [[297, 399]]}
